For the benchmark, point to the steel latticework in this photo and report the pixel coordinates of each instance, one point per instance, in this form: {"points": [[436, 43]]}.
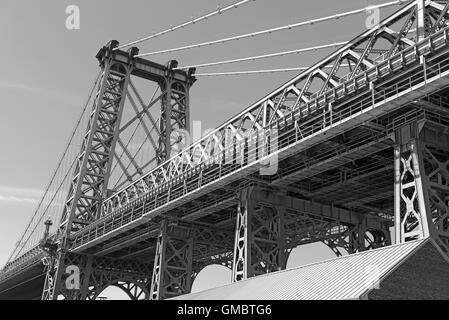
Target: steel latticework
{"points": [[92, 171], [340, 154], [421, 182], [270, 224]]}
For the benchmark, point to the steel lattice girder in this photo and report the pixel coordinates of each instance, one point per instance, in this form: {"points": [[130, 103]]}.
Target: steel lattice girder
{"points": [[174, 116], [95, 274], [260, 240], [178, 245], [326, 106], [422, 183], [299, 208], [267, 228]]}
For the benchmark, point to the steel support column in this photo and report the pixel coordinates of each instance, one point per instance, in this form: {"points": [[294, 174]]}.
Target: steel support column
{"points": [[422, 183], [260, 235], [182, 251], [131, 276], [172, 273], [68, 277], [175, 112]]}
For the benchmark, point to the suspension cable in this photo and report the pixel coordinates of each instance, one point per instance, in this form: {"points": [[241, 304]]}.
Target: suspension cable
{"points": [[257, 71], [50, 203], [185, 24], [55, 172], [271, 55], [287, 27]]}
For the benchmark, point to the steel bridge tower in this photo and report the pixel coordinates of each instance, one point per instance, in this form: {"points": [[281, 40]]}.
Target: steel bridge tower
{"points": [[269, 223], [89, 184]]}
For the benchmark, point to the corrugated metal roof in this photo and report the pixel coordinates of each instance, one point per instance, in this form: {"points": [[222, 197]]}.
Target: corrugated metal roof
{"points": [[346, 277]]}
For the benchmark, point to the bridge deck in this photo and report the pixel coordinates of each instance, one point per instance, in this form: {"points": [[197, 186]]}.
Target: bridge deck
{"points": [[335, 149], [397, 82]]}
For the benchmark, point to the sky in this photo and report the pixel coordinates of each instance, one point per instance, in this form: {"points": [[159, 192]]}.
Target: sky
{"points": [[47, 71]]}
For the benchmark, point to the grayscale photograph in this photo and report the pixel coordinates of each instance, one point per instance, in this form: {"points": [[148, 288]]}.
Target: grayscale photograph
{"points": [[224, 154]]}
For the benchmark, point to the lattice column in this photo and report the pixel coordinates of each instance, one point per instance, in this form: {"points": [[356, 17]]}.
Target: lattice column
{"points": [[348, 238], [412, 213], [172, 274], [51, 277], [183, 250], [68, 276], [422, 183], [175, 111], [260, 236]]}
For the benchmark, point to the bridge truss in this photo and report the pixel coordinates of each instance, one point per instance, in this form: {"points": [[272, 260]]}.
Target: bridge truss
{"points": [[330, 156]]}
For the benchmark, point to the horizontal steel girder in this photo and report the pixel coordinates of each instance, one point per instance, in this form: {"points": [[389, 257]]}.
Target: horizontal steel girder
{"points": [[163, 178]]}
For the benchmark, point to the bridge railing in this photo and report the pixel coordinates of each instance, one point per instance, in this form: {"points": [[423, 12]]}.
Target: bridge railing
{"points": [[325, 111], [270, 110], [213, 148], [268, 113]]}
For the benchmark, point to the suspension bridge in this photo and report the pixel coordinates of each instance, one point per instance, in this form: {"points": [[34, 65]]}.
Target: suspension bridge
{"points": [[350, 147]]}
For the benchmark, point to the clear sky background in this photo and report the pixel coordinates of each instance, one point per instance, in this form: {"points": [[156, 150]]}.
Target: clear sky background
{"points": [[47, 71]]}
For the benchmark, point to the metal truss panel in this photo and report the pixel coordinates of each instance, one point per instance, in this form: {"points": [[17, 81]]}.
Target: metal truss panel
{"points": [[385, 100], [95, 275], [268, 112], [422, 183], [259, 241], [268, 228], [338, 160], [182, 250]]}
